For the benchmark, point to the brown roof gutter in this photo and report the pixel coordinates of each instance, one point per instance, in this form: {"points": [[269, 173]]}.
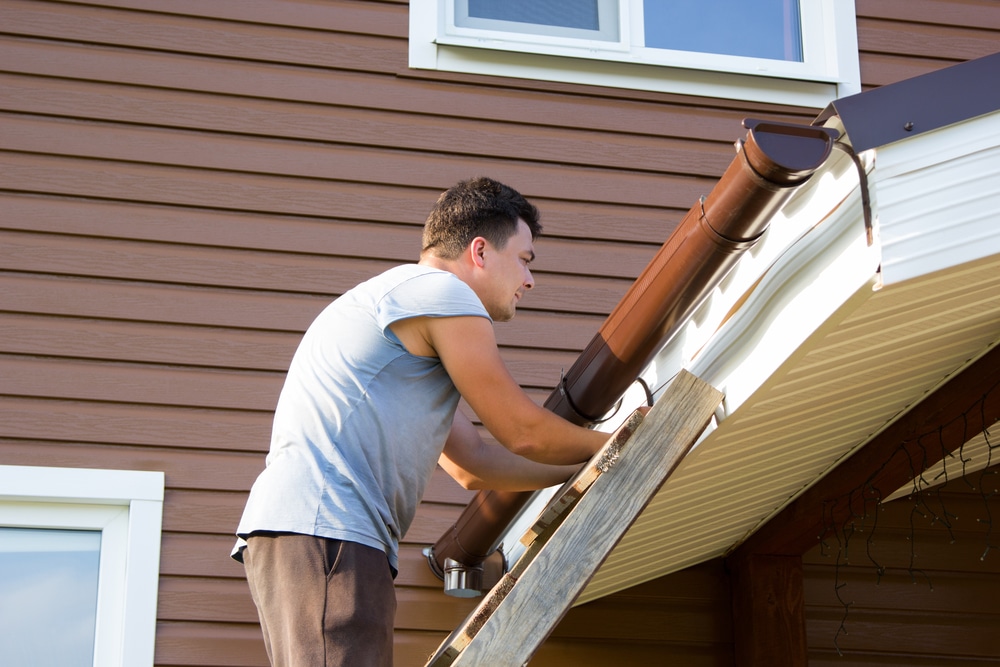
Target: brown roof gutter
{"points": [[774, 159]]}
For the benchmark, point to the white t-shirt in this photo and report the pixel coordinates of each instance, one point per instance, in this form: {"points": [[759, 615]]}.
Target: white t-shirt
{"points": [[360, 422]]}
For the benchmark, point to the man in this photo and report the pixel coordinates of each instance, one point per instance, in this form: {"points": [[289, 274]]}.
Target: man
{"points": [[367, 410]]}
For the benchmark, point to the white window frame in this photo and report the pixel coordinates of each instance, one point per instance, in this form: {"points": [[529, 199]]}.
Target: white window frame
{"points": [[127, 507], [829, 70]]}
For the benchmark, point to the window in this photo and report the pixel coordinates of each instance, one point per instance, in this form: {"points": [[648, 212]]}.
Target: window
{"points": [[79, 561], [48, 582], [801, 52]]}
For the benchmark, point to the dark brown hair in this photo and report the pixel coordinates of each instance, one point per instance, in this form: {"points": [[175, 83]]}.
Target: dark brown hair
{"points": [[476, 207]]}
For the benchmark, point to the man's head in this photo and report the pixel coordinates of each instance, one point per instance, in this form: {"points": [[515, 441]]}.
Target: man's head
{"points": [[483, 232], [476, 207]]}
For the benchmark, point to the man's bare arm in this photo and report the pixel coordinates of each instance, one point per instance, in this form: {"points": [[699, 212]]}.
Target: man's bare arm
{"points": [[467, 348], [476, 464]]}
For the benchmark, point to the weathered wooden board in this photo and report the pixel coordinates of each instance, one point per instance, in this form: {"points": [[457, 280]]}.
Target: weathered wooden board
{"points": [[578, 530]]}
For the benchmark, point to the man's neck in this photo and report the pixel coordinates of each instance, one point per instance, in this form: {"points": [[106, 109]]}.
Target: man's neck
{"points": [[435, 262]]}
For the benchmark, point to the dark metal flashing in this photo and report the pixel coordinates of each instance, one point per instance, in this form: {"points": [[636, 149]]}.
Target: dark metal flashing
{"points": [[900, 110]]}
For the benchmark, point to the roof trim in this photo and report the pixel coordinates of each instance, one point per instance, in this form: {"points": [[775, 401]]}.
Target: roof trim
{"points": [[900, 110]]}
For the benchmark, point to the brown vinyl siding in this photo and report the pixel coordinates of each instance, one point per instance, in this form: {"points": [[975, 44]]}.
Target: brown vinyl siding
{"points": [[937, 601], [185, 184]]}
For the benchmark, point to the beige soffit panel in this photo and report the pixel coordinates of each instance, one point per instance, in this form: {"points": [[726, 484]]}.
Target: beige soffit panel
{"points": [[820, 340]]}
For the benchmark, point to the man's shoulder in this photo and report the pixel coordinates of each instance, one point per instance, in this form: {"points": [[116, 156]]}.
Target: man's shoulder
{"points": [[419, 280], [404, 273]]}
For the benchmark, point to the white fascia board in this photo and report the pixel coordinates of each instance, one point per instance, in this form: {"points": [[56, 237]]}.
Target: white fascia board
{"points": [[813, 258], [937, 198]]}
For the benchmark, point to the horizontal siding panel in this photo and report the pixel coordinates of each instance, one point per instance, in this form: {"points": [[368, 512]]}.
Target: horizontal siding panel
{"points": [[414, 648], [878, 69], [901, 635], [362, 127], [333, 162], [203, 388], [830, 656], [140, 340], [200, 599], [937, 598], [556, 653], [422, 609], [199, 555], [299, 235], [587, 107], [204, 227], [931, 551], [961, 13], [49, 175], [358, 17], [927, 41], [228, 602], [191, 35], [668, 621], [254, 269], [135, 424], [900, 40], [175, 304], [132, 383], [153, 184], [204, 644], [936, 592], [178, 264], [147, 343], [183, 468], [203, 511]]}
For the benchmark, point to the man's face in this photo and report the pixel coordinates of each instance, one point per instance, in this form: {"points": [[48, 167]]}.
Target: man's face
{"points": [[508, 274]]}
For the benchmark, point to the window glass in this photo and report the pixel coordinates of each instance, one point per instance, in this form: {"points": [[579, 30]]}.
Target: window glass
{"points": [[565, 13], [769, 29], [48, 585], [573, 19]]}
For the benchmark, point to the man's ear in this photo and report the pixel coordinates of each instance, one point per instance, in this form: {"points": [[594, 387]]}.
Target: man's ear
{"points": [[477, 251]]}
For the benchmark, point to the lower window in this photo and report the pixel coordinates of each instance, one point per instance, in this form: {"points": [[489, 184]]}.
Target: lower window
{"points": [[76, 545]]}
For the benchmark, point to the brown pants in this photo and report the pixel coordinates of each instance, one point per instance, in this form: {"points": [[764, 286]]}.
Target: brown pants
{"points": [[322, 603]]}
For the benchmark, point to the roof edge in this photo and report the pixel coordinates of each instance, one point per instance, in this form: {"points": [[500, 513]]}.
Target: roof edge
{"points": [[927, 102]]}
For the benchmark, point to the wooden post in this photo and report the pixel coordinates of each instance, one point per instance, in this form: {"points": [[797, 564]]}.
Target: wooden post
{"points": [[769, 628], [514, 619]]}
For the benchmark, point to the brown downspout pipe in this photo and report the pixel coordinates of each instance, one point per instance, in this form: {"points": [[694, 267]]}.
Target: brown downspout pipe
{"points": [[774, 160]]}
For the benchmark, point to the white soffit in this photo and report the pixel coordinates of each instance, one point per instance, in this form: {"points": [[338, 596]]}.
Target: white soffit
{"points": [[817, 349]]}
